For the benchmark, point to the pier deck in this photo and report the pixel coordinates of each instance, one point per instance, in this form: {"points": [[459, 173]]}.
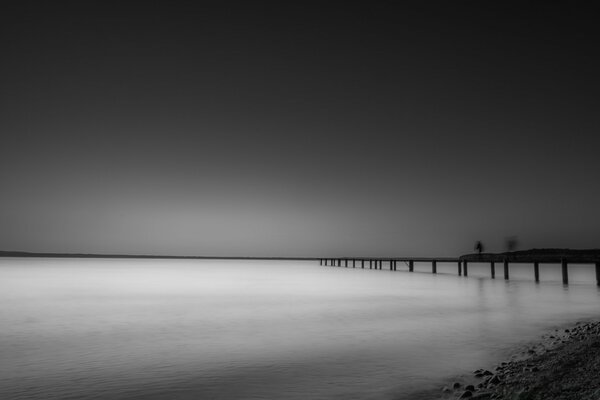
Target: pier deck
{"points": [[564, 257]]}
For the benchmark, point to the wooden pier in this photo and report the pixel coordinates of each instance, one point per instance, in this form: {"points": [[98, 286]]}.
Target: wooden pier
{"points": [[563, 257]]}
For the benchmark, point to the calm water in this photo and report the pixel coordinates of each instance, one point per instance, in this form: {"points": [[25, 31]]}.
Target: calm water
{"points": [[123, 329]]}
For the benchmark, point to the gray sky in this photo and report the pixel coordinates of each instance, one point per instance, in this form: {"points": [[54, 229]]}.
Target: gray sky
{"points": [[298, 129]]}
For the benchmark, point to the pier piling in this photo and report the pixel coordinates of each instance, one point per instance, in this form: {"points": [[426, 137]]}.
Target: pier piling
{"points": [[463, 263], [565, 272]]}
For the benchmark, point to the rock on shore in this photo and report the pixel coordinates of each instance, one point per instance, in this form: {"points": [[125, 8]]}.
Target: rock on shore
{"points": [[564, 366]]}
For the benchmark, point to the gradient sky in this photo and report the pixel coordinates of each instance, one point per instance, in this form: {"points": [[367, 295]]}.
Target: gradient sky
{"points": [[298, 128]]}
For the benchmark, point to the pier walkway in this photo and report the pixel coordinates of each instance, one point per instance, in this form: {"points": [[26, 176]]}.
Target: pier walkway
{"points": [[533, 257]]}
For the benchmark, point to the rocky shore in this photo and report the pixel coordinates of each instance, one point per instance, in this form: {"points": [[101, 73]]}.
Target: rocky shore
{"points": [[564, 365]]}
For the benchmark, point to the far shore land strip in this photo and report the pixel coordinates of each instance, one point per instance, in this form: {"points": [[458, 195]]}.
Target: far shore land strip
{"points": [[522, 256]]}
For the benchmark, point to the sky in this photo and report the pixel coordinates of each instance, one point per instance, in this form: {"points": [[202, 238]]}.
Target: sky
{"points": [[298, 128]]}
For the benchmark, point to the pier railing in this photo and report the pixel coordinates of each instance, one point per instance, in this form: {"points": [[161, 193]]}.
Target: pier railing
{"points": [[462, 262]]}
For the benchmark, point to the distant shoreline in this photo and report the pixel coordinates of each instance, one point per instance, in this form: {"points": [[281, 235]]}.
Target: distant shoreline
{"points": [[145, 256], [522, 256]]}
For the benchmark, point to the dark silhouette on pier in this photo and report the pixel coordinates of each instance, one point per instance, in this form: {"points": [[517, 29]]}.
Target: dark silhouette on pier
{"points": [[479, 247], [511, 243]]}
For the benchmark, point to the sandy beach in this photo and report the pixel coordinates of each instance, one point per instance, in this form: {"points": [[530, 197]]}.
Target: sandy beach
{"points": [[564, 364]]}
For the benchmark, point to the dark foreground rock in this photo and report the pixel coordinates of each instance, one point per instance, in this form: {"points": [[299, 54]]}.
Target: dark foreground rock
{"points": [[564, 366]]}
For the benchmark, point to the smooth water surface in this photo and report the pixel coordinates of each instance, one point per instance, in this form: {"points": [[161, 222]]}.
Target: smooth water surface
{"points": [[191, 329]]}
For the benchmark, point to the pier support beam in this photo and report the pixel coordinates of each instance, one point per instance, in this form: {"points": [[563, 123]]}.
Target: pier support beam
{"points": [[536, 271], [506, 269], [353, 263], [493, 269], [465, 269], [565, 272], [362, 264], [370, 264], [459, 268], [434, 267], [380, 264], [411, 266], [345, 263]]}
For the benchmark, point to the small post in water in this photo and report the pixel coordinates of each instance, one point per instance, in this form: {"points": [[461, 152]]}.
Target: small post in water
{"points": [[565, 272], [434, 267], [493, 269], [466, 272], [536, 271], [411, 266], [506, 269]]}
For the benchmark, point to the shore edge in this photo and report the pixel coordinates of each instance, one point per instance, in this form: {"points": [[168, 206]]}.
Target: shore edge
{"points": [[564, 364]]}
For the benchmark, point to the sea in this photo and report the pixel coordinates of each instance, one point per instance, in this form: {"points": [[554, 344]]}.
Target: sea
{"points": [[227, 329]]}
